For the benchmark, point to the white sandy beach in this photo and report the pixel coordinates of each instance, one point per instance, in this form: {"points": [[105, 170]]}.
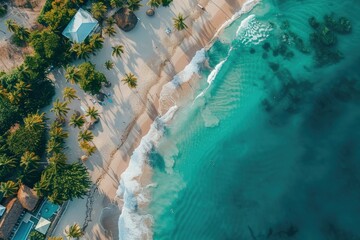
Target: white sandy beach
{"points": [[154, 57]]}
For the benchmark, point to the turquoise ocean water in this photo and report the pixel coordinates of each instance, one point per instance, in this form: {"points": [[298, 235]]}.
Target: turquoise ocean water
{"points": [[271, 149]]}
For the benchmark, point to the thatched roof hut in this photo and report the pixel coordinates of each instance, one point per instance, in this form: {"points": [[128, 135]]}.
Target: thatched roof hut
{"points": [[125, 19], [27, 197], [9, 219]]}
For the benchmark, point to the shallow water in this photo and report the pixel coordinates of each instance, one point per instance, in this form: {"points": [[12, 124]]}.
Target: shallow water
{"points": [[270, 150]]}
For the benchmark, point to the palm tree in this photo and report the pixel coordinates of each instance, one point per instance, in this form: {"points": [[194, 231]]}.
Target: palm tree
{"points": [[60, 109], [166, 3], [53, 146], [134, 5], [110, 21], [72, 74], [22, 88], [117, 50], [58, 158], [7, 165], [85, 136], [69, 94], [179, 22], [35, 121], [154, 3], [7, 162], [9, 188], [93, 113], [87, 148], [81, 50], [11, 25], [56, 238], [29, 162], [98, 10], [110, 31], [22, 33], [96, 41], [130, 80], [77, 121], [74, 231], [117, 3], [109, 65]]}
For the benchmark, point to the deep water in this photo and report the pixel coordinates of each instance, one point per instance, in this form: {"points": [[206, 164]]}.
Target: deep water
{"points": [[271, 150]]}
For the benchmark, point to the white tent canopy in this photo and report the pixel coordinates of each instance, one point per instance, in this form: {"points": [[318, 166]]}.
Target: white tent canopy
{"points": [[43, 225], [2, 210], [80, 26]]}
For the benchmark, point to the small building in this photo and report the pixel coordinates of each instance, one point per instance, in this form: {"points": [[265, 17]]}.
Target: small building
{"points": [[80, 27], [27, 197], [43, 225], [10, 218]]}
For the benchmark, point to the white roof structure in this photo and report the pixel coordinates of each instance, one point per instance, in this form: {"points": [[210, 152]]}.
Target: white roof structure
{"points": [[2, 210], [43, 225], [80, 26]]}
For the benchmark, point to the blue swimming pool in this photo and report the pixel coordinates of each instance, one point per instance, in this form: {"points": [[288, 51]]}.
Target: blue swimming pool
{"points": [[48, 209], [23, 231]]}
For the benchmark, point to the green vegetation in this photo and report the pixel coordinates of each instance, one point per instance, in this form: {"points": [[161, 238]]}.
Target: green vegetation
{"points": [[117, 50], [21, 34], [3, 10], [63, 182], [134, 5], [98, 10], [74, 231], [18, 139], [130, 80], [50, 47], [35, 235], [90, 79], [179, 22], [9, 188], [58, 15], [77, 121], [109, 65], [93, 113]]}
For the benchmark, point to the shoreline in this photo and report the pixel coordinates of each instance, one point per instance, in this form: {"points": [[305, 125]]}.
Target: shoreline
{"points": [[104, 194]]}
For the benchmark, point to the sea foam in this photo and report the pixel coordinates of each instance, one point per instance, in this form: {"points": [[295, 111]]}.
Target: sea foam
{"points": [[132, 224]]}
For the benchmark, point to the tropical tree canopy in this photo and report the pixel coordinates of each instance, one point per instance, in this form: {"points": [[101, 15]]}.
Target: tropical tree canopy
{"points": [[18, 140], [96, 41], [93, 113], [117, 50], [9, 188], [82, 50], [77, 120], [134, 5], [72, 74], [90, 79], [85, 136], [60, 183], [60, 108], [7, 166], [110, 31], [50, 46], [179, 22], [154, 3], [98, 10], [74, 231], [69, 94], [59, 16], [130, 80], [8, 115], [109, 65]]}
